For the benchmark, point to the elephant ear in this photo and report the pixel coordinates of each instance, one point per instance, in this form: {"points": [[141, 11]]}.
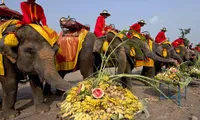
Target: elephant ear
{"points": [[159, 50]]}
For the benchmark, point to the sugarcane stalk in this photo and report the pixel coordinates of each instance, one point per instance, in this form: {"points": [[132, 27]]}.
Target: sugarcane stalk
{"points": [[3, 1]]}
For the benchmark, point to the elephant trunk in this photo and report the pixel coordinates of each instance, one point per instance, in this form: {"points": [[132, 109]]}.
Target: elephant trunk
{"points": [[177, 57], [153, 56], [46, 69]]}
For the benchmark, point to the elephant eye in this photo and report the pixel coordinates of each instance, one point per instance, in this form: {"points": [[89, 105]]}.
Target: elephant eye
{"points": [[30, 50]]}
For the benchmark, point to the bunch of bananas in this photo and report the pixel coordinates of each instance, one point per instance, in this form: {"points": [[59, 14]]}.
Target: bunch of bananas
{"points": [[117, 102]]}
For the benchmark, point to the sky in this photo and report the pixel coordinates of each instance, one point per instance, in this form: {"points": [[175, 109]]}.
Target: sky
{"points": [[172, 14]]}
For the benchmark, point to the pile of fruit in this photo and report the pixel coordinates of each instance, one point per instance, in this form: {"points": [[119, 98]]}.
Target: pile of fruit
{"points": [[195, 72], [103, 101], [172, 75]]}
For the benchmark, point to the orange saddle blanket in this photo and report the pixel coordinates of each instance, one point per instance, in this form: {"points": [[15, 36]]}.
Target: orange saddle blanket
{"points": [[69, 48]]}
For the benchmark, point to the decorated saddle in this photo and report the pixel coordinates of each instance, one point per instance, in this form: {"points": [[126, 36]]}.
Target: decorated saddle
{"points": [[70, 44], [8, 13], [71, 23]]}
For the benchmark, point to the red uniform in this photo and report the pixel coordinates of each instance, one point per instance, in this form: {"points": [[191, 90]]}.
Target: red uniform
{"points": [[100, 25], [160, 37], [32, 13], [136, 27], [178, 42], [197, 48]]}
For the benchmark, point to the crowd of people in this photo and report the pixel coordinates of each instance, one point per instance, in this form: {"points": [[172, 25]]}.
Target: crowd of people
{"points": [[101, 29]]}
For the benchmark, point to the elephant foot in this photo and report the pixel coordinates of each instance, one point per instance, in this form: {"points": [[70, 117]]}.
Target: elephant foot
{"points": [[42, 108], [9, 114], [59, 93]]}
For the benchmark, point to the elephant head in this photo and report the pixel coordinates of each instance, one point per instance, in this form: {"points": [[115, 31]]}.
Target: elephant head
{"points": [[35, 55], [170, 52], [185, 53]]}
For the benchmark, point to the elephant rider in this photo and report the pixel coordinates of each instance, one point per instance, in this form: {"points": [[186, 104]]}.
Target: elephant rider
{"points": [[197, 48], [100, 24], [178, 42], [160, 37], [135, 30], [32, 13]]}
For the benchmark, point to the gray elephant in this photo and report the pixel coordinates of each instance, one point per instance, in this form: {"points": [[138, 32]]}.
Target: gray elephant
{"points": [[33, 56], [185, 53], [159, 49], [85, 58], [125, 61]]}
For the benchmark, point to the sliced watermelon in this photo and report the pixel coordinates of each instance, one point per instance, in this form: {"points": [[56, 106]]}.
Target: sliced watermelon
{"points": [[97, 93]]}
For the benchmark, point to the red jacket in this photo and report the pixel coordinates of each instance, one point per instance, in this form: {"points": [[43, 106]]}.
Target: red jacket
{"points": [[178, 42], [136, 27], [100, 25], [32, 13], [197, 48], [160, 37]]}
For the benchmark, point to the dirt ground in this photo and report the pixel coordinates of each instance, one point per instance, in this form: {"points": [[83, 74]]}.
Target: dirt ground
{"points": [[156, 109]]}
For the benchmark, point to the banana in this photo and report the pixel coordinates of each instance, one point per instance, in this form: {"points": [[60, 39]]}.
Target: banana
{"points": [[85, 107]]}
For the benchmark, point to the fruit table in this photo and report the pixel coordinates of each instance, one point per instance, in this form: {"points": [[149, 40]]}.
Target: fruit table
{"points": [[176, 96]]}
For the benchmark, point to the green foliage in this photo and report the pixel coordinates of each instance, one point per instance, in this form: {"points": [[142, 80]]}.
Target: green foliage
{"points": [[184, 32]]}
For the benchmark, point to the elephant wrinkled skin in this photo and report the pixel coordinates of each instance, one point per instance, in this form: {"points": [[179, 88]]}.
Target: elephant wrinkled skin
{"points": [[34, 56]]}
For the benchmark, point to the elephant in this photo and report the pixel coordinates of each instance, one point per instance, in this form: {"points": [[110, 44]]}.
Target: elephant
{"points": [[122, 53], [34, 56], [185, 53], [85, 58], [171, 53]]}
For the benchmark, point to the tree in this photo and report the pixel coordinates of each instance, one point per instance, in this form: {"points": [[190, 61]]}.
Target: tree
{"points": [[184, 32]]}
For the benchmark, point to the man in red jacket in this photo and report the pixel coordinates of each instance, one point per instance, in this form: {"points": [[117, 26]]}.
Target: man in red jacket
{"points": [[100, 24], [177, 42], [136, 27], [32, 13], [161, 36]]}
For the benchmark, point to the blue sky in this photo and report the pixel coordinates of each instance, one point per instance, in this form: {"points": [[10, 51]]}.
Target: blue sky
{"points": [[172, 14]]}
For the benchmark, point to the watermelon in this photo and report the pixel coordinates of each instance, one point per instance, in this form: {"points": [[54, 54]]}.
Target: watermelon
{"points": [[97, 93]]}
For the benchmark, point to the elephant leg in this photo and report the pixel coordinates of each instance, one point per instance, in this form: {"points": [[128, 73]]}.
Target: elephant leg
{"points": [[148, 71], [47, 89], [127, 82], [121, 59], [9, 86], [37, 90]]}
